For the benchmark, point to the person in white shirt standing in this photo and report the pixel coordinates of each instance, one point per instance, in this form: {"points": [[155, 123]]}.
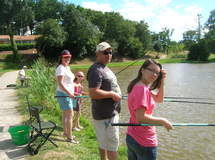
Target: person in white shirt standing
{"points": [[21, 75], [65, 93]]}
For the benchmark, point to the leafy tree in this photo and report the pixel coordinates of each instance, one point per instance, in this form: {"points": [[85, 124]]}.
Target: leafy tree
{"points": [[82, 34], [26, 16], [199, 51], [9, 10], [135, 48], [46, 9], [164, 38], [210, 25], [143, 33], [161, 40], [119, 30], [189, 38], [52, 38]]}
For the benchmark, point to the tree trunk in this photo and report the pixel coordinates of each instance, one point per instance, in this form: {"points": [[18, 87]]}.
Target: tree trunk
{"points": [[13, 46]]}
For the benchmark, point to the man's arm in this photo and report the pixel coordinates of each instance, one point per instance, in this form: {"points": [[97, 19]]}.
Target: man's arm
{"points": [[96, 93]]}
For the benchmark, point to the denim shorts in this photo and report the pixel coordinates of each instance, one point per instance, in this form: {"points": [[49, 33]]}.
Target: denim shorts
{"points": [[138, 152], [65, 102]]}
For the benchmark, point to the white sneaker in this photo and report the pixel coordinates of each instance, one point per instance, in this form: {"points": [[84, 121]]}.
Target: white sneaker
{"points": [[76, 129]]}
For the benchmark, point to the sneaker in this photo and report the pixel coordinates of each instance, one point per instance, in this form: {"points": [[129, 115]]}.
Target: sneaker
{"points": [[76, 129], [80, 127]]}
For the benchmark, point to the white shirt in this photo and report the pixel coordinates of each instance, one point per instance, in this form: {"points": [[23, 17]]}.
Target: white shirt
{"points": [[21, 74], [68, 78]]}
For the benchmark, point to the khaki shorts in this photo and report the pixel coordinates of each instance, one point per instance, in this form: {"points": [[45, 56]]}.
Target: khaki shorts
{"points": [[107, 135]]}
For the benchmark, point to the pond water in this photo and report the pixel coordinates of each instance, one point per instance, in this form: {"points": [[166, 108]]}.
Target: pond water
{"points": [[183, 80]]}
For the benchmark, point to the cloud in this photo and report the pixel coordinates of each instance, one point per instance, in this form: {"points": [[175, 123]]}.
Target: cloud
{"points": [[99, 7], [157, 13], [162, 13]]}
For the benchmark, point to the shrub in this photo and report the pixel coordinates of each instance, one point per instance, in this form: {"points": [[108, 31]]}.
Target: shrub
{"points": [[20, 46], [199, 51]]}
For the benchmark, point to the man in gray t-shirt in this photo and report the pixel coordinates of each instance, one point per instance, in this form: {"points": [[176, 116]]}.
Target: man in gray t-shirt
{"points": [[106, 95]]}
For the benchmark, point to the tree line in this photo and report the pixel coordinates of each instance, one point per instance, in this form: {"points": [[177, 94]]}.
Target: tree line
{"points": [[63, 25]]}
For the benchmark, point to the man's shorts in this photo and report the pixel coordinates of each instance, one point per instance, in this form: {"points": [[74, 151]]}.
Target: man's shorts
{"points": [[65, 102], [107, 135]]}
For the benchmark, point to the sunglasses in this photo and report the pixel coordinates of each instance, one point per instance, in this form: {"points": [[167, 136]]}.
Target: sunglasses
{"points": [[107, 52], [79, 76]]}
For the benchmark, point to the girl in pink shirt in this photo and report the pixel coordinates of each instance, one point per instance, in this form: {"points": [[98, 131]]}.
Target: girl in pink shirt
{"points": [[142, 141], [78, 91]]}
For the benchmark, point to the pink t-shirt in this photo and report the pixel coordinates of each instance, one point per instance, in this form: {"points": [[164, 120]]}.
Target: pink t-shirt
{"points": [[140, 97]]}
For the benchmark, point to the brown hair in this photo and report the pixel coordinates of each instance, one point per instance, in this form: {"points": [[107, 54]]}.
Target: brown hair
{"points": [[156, 84]]}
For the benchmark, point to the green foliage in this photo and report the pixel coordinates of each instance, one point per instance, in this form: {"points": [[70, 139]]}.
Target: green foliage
{"points": [[47, 9], [162, 40], [143, 33], [43, 84], [199, 51], [51, 39], [190, 38], [20, 46], [210, 25], [135, 48], [5, 47], [176, 47], [82, 34]]}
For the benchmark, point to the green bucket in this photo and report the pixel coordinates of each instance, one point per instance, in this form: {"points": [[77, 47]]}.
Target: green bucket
{"points": [[20, 134]]}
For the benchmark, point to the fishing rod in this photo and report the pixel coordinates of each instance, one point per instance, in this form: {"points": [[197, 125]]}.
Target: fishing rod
{"points": [[174, 97], [173, 124], [181, 101], [127, 66], [165, 100]]}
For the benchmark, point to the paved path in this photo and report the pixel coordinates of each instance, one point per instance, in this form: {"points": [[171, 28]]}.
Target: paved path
{"points": [[9, 116]]}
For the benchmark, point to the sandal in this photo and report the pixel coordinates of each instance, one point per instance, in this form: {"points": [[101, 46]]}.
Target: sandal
{"points": [[64, 134], [72, 141]]}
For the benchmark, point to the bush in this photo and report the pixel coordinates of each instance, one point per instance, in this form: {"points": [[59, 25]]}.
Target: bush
{"points": [[20, 46], [199, 51]]}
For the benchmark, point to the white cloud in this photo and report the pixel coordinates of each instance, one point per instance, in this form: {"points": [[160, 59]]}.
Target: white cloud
{"points": [[157, 13], [99, 7]]}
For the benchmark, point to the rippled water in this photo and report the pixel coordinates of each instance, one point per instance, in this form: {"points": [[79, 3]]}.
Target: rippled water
{"points": [[183, 80]]}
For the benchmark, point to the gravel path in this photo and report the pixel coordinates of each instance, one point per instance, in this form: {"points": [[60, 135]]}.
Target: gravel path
{"points": [[9, 116]]}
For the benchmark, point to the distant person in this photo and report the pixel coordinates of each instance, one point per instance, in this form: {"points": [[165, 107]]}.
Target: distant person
{"points": [[22, 75], [142, 141], [65, 93], [106, 95], [79, 91]]}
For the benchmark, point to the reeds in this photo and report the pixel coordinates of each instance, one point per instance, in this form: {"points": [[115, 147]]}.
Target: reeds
{"points": [[43, 85]]}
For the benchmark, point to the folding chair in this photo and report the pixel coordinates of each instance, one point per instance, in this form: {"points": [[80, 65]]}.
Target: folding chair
{"points": [[41, 132], [31, 118]]}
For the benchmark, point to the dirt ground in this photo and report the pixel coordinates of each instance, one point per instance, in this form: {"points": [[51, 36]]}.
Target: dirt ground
{"points": [[9, 116]]}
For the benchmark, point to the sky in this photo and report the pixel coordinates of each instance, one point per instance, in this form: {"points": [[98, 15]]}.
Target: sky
{"points": [[179, 15]]}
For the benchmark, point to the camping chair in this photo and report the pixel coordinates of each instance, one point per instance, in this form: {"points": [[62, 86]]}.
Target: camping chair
{"points": [[41, 132], [31, 118]]}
